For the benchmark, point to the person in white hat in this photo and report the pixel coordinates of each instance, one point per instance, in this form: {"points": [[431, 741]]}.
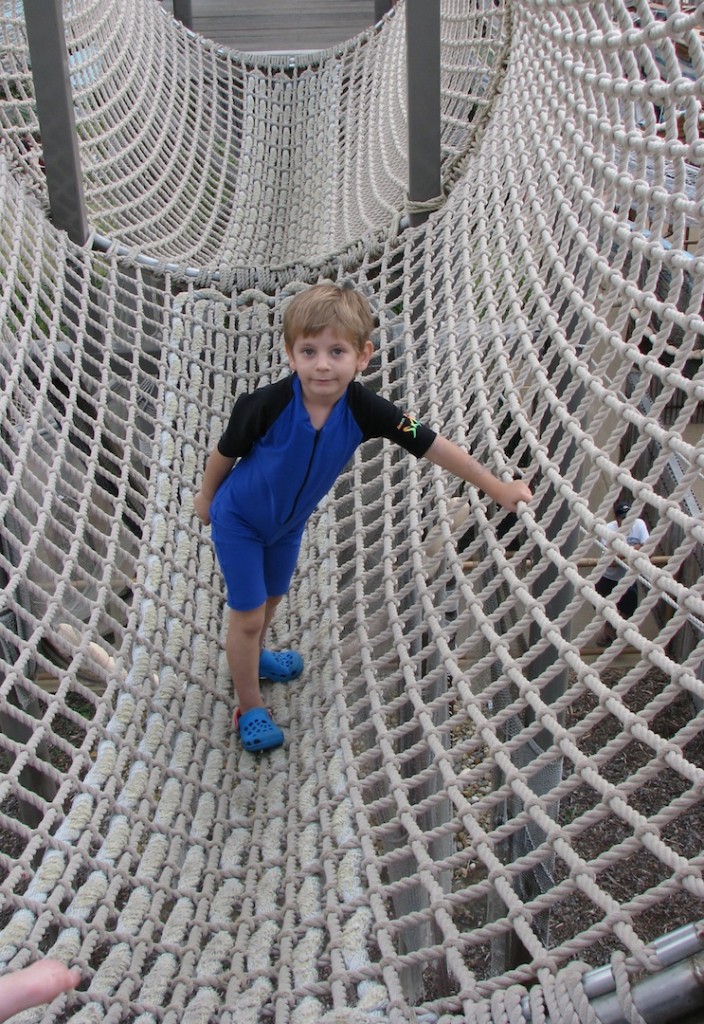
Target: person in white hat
{"points": [[638, 534]]}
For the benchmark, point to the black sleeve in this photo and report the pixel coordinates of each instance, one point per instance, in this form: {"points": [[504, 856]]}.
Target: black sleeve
{"points": [[377, 417], [252, 416]]}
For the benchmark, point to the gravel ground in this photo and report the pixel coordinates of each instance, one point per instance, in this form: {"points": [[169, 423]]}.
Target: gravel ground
{"points": [[684, 833], [624, 878]]}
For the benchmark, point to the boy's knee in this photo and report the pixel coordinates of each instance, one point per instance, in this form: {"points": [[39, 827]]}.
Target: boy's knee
{"points": [[247, 623]]}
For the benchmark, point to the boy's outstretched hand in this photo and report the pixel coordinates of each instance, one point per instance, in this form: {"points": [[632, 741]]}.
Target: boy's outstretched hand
{"points": [[35, 985], [509, 494]]}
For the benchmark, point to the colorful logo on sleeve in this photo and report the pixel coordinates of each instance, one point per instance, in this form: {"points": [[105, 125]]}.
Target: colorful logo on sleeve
{"points": [[409, 424]]}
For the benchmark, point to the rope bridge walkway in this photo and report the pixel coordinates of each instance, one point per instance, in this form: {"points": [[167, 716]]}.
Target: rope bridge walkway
{"points": [[480, 813]]}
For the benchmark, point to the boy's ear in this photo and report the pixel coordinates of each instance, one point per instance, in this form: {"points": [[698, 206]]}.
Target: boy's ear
{"points": [[365, 355]]}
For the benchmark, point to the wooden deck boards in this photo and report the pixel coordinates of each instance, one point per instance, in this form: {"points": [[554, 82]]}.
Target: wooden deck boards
{"points": [[281, 26]]}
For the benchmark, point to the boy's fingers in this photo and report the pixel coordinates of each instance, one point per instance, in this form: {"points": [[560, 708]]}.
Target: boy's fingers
{"points": [[34, 985], [524, 493]]}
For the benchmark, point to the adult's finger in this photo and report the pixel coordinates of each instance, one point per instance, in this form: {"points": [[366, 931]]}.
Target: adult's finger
{"points": [[34, 985]]}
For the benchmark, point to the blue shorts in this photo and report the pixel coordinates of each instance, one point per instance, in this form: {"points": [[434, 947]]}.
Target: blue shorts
{"points": [[253, 569]]}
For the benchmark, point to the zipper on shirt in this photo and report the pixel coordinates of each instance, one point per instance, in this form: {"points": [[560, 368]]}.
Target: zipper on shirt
{"points": [[305, 478]]}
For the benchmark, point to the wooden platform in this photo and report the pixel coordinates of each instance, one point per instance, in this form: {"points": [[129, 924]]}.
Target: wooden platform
{"points": [[279, 26]]}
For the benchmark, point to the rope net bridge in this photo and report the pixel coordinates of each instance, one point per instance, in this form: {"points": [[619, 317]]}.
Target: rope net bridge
{"points": [[480, 814]]}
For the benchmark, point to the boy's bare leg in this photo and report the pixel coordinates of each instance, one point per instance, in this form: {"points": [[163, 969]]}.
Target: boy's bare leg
{"points": [[272, 603], [244, 633]]}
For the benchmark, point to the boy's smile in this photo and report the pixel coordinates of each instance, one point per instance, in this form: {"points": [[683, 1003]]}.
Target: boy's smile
{"points": [[326, 365]]}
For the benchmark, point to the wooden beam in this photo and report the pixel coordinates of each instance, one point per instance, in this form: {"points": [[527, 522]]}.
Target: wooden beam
{"points": [[52, 89]]}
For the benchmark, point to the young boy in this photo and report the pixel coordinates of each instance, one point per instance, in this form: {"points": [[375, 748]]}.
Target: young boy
{"points": [[293, 439]]}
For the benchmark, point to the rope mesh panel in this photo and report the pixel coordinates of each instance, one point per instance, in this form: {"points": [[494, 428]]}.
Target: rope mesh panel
{"points": [[242, 160], [475, 803]]}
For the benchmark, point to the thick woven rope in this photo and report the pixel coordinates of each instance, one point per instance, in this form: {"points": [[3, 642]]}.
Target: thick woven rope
{"points": [[477, 804]]}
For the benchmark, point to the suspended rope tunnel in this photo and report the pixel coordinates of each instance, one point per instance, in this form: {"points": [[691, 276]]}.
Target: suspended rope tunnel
{"points": [[490, 804]]}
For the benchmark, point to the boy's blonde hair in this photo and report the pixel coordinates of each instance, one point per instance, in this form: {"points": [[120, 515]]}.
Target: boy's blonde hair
{"points": [[340, 307]]}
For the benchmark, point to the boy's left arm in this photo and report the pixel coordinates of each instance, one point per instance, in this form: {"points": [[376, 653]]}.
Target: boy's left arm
{"points": [[455, 460]]}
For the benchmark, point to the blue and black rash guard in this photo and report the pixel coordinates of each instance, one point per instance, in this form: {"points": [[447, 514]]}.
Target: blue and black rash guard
{"points": [[285, 465]]}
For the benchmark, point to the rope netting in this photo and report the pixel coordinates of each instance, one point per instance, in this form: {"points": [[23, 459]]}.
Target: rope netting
{"points": [[237, 163], [477, 803]]}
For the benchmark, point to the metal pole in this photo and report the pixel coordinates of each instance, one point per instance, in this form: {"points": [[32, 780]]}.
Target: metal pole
{"points": [[668, 996], [423, 91], [52, 89], [381, 7]]}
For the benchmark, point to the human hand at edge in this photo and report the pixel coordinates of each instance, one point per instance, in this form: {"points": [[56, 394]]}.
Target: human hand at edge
{"points": [[35, 985]]}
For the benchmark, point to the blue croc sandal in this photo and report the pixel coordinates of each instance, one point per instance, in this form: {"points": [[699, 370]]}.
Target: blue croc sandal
{"points": [[258, 730], [280, 666]]}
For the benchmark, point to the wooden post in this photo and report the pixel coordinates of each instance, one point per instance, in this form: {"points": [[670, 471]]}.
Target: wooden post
{"points": [[507, 951], [32, 778], [183, 12], [423, 90], [52, 89]]}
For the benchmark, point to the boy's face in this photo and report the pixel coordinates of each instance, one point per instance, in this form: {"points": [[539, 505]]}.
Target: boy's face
{"points": [[326, 364]]}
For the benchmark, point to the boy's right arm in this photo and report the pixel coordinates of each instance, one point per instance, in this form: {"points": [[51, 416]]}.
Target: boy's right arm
{"points": [[216, 469]]}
